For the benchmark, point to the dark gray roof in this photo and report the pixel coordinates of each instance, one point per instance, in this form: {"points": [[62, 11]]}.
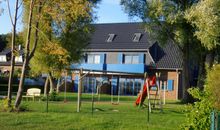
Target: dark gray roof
{"points": [[165, 57], [168, 56], [8, 50], [124, 36], [5, 51]]}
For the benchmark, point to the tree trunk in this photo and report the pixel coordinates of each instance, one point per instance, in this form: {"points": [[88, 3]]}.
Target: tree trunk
{"points": [[26, 61], [21, 84], [51, 83], [46, 86], [209, 61], [58, 85], [186, 74], [202, 72], [10, 80]]}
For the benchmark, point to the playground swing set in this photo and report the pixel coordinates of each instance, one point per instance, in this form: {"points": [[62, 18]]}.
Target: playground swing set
{"points": [[150, 90], [82, 76]]}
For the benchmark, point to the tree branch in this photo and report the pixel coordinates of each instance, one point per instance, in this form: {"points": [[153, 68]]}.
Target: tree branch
{"points": [[36, 36], [9, 11]]}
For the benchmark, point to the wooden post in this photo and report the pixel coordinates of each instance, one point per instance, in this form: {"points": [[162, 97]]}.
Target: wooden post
{"points": [[177, 83], [142, 89], [47, 103], [79, 90], [164, 92]]}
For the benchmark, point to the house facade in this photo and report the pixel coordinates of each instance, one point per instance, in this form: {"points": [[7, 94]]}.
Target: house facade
{"points": [[122, 53], [5, 59]]}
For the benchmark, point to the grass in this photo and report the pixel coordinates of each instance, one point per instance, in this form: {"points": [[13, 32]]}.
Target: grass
{"points": [[106, 116]]}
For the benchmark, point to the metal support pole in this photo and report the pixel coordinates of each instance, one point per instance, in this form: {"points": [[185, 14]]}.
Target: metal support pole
{"points": [[79, 90], [65, 87], [119, 90], [93, 84]]}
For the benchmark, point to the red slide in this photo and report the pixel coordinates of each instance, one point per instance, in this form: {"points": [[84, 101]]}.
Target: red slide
{"points": [[142, 96]]}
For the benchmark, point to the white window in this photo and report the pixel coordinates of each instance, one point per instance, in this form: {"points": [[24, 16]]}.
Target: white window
{"points": [[93, 59], [135, 59], [131, 59], [128, 59], [137, 37], [18, 59], [110, 37], [90, 59], [3, 59], [97, 59]]}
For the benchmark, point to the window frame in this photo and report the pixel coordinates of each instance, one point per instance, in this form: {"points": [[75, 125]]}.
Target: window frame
{"points": [[94, 59], [111, 37], [136, 37], [131, 60]]}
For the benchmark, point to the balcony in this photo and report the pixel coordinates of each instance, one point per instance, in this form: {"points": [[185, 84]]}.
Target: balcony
{"points": [[88, 66], [128, 68]]}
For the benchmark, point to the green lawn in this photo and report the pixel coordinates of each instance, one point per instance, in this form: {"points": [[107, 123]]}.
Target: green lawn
{"points": [[62, 116]]}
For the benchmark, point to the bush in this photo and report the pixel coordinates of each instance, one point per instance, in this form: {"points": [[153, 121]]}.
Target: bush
{"points": [[208, 99], [198, 116], [52, 97], [5, 107], [213, 86]]}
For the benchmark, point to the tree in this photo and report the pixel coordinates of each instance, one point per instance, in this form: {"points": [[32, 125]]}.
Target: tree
{"points": [[65, 19], [1, 10], [205, 17], [166, 21], [3, 41], [28, 54], [14, 24]]}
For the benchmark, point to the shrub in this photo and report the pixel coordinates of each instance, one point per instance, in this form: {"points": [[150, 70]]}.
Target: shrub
{"points": [[198, 116], [5, 107], [52, 97], [208, 99], [213, 86]]}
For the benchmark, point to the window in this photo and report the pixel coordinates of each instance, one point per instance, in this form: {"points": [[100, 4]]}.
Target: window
{"points": [[170, 85], [97, 59], [2, 58], [18, 59], [93, 59], [137, 37], [131, 59], [110, 37]]}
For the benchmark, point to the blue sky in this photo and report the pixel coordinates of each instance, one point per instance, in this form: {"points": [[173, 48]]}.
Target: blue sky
{"points": [[108, 11]]}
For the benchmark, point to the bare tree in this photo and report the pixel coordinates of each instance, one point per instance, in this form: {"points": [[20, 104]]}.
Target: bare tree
{"points": [[14, 24], [28, 54]]}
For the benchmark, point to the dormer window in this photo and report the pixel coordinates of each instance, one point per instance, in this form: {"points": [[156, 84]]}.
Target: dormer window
{"points": [[3, 59], [110, 37], [137, 37]]}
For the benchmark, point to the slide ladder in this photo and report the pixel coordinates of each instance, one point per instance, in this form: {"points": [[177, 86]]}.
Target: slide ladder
{"points": [[154, 97], [151, 91]]}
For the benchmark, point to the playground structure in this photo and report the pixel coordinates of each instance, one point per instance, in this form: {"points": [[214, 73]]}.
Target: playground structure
{"points": [[112, 80], [152, 93], [151, 89]]}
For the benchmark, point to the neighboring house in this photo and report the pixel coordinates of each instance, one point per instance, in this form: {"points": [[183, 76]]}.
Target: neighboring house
{"points": [[127, 49], [5, 59]]}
